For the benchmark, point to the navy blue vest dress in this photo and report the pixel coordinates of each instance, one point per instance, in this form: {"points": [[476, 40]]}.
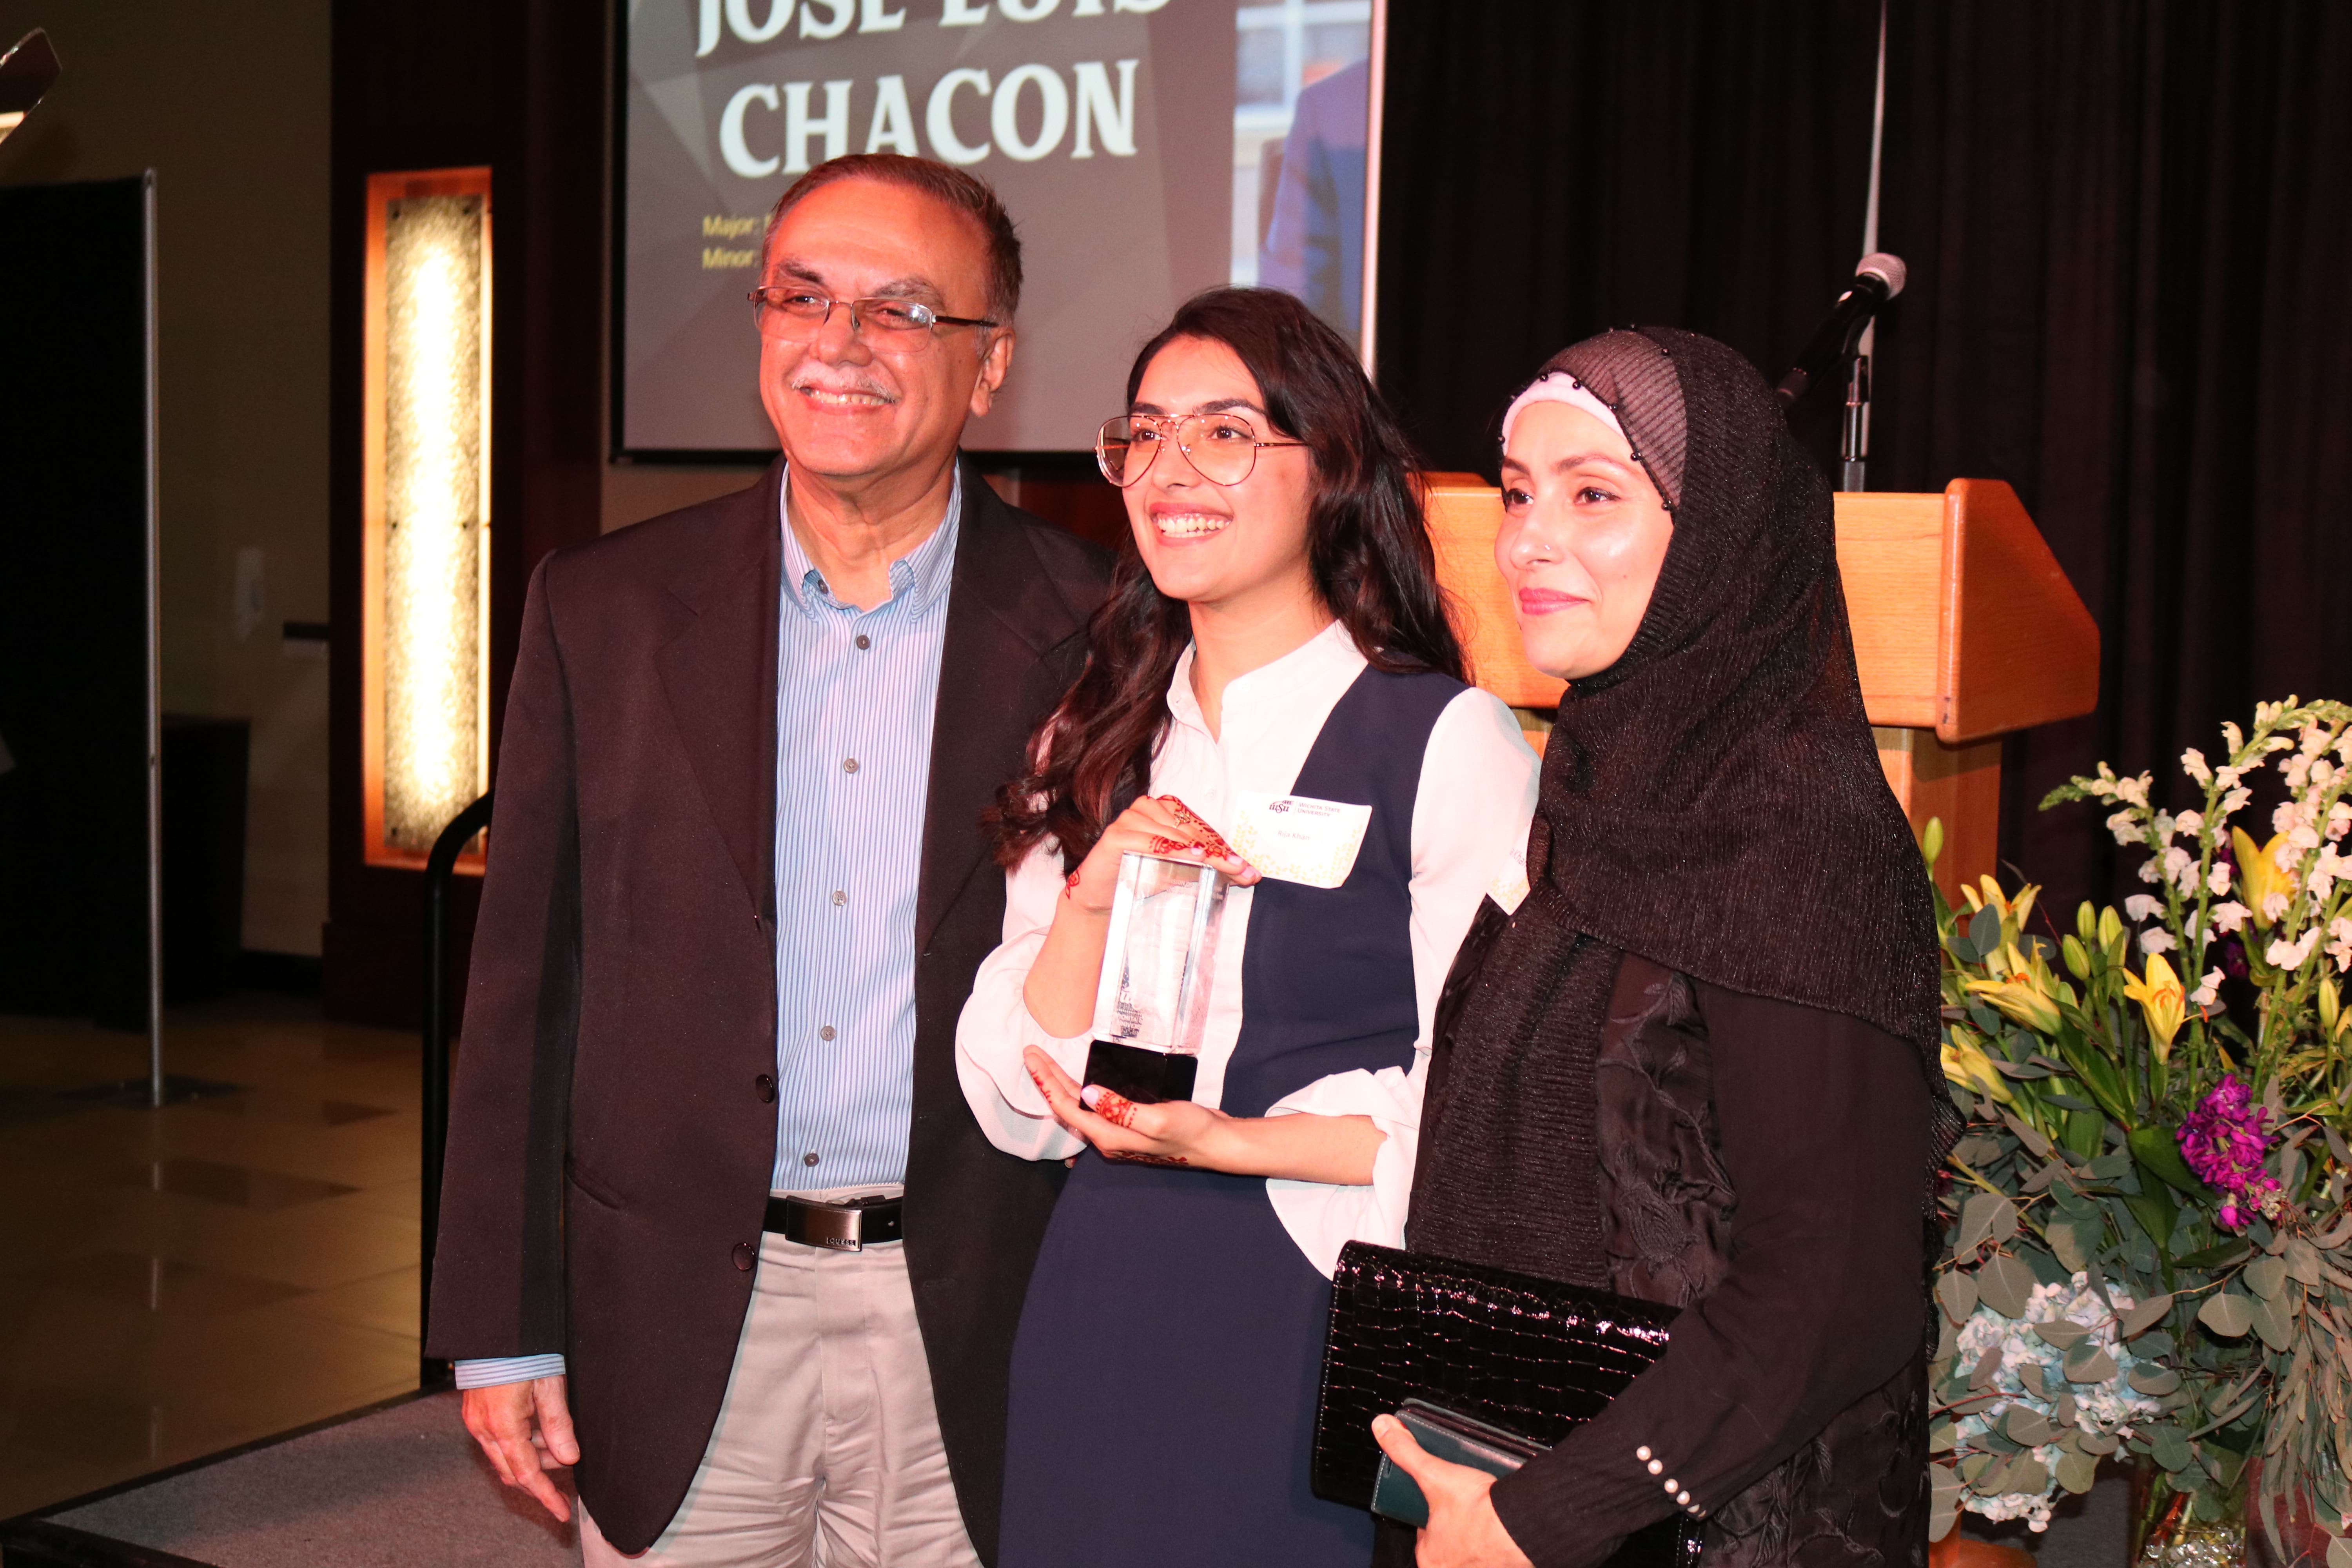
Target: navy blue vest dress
{"points": [[1162, 1404]]}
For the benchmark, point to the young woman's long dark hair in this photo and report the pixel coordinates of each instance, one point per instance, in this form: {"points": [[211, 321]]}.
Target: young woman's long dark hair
{"points": [[1368, 548]]}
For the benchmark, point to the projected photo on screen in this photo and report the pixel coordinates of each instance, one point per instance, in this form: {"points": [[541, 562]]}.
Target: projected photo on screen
{"points": [[1147, 149]]}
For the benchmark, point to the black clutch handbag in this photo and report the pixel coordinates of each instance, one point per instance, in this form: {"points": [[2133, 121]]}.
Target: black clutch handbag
{"points": [[1531, 1356]]}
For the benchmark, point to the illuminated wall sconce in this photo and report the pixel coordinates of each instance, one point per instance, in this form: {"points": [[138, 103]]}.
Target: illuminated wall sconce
{"points": [[426, 578]]}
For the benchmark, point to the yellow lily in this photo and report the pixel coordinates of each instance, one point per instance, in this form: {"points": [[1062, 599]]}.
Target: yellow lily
{"points": [[2258, 874], [1970, 1068], [2161, 1000], [2021, 1001], [2013, 911]]}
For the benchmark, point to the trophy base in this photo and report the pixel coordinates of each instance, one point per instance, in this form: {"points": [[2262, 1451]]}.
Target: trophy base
{"points": [[1147, 1077]]}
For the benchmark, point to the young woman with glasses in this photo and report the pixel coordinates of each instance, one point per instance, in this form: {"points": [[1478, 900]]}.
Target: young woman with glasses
{"points": [[1275, 635]]}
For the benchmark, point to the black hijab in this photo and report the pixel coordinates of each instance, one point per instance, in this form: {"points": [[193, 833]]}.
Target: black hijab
{"points": [[1712, 802]]}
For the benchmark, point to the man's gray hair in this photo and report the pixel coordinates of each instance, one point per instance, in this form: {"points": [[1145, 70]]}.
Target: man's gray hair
{"points": [[967, 194]]}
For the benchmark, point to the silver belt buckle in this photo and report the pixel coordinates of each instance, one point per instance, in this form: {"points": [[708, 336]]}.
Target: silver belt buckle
{"points": [[833, 1225]]}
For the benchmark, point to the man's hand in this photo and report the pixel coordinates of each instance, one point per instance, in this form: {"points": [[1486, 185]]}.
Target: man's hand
{"points": [[1464, 1530], [501, 1418]]}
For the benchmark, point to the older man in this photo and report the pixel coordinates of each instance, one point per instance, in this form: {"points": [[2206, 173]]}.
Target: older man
{"points": [[737, 890]]}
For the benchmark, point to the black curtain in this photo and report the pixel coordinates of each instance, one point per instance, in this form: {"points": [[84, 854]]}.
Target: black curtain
{"points": [[2128, 226], [1552, 167]]}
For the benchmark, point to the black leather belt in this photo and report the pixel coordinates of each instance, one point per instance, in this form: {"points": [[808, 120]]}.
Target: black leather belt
{"points": [[849, 1225]]}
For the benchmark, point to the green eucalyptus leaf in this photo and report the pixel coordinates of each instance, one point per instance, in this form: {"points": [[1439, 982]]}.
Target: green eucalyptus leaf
{"points": [[1957, 1293], [1943, 1437], [2029, 1373], [2004, 1283], [2101, 1442], [2266, 1277], [1974, 1467], [2303, 1259], [2109, 1165], [2228, 1315], [2340, 1553], [2168, 1448], [2075, 1203], [2086, 1363], [2275, 1320], [2145, 1316], [2026, 1425], [1984, 930], [2155, 1385], [1976, 1223], [2047, 1269], [2066, 1239], [2076, 1471], [1944, 1503], [2060, 1333], [2027, 1474]]}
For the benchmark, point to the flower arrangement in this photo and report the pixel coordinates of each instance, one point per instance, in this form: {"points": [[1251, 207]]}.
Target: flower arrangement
{"points": [[2151, 1247]]}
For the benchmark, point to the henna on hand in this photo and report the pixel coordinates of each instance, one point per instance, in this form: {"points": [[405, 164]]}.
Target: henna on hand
{"points": [[1211, 843], [1109, 1104], [1143, 1159]]}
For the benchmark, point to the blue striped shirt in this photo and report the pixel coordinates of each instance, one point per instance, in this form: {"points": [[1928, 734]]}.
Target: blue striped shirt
{"points": [[856, 692]]}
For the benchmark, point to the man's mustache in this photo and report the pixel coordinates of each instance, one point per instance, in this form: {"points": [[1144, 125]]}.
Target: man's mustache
{"points": [[860, 387]]}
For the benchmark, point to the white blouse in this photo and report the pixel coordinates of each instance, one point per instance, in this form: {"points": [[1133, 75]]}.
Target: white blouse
{"points": [[1469, 834]]}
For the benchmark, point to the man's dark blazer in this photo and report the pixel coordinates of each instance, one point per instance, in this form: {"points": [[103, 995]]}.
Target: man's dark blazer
{"points": [[613, 1131]]}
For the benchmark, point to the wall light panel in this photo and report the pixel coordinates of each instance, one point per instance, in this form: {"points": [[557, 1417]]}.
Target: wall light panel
{"points": [[426, 576]]}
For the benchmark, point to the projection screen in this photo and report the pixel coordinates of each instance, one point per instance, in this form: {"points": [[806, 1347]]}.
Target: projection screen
{"points": [[1147, 149]]}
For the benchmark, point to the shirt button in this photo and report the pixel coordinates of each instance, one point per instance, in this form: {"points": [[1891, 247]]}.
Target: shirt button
{"points": [[839, 898], [823, 1033], [849, 764], [766, 1086], [745, 1254], [809, 1159], [863, 642]]}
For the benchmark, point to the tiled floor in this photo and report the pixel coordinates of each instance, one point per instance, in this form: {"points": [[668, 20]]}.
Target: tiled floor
{"points": [[175, 1282]]}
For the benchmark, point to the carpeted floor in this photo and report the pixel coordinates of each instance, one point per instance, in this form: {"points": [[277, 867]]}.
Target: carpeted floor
{"points": [[403, 1487], [406, 1486]]}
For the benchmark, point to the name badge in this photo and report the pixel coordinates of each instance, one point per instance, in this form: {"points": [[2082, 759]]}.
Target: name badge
{"points": [[1297, 838]]}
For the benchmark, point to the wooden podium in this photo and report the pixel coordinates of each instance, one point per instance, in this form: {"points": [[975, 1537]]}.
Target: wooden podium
{"points": [[1964, 630]]}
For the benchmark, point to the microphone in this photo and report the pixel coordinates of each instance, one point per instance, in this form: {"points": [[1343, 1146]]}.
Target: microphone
{"points": [[1877, 278]]}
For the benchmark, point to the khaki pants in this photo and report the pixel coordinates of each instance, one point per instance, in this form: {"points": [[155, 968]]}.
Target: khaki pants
{"points": [[827, 1450]]}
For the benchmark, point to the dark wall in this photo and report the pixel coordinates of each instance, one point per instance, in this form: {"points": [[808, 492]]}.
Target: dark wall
{"points": [[73, 600], [520, 87], [2127, 224]]}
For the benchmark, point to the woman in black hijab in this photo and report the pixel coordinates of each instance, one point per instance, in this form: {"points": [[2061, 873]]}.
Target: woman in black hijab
{"points": [[1696, 1064]]}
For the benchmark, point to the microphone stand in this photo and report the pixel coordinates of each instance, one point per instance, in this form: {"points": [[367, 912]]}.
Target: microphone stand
{"points": [[1854, 442]]}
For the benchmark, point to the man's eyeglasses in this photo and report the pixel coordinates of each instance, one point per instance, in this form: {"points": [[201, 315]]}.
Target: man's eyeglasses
{"points": [[1221, 449], [795, 314]]}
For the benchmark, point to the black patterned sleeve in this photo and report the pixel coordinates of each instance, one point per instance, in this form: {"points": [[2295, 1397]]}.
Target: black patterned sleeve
{"points": [[1821, 1122]]}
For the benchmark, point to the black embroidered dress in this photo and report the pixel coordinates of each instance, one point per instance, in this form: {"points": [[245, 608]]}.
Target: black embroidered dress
{"points": [[1698, 1064]]}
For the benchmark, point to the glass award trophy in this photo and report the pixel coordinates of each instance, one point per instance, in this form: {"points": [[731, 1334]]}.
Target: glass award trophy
{"points": [[1152, 1006]]}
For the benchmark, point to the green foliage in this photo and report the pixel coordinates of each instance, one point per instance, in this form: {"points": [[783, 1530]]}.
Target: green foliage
{"points": [[2075, 1074]]}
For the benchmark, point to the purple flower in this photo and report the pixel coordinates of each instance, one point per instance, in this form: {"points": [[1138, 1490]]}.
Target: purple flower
{"points": [[2224, 1141]]}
